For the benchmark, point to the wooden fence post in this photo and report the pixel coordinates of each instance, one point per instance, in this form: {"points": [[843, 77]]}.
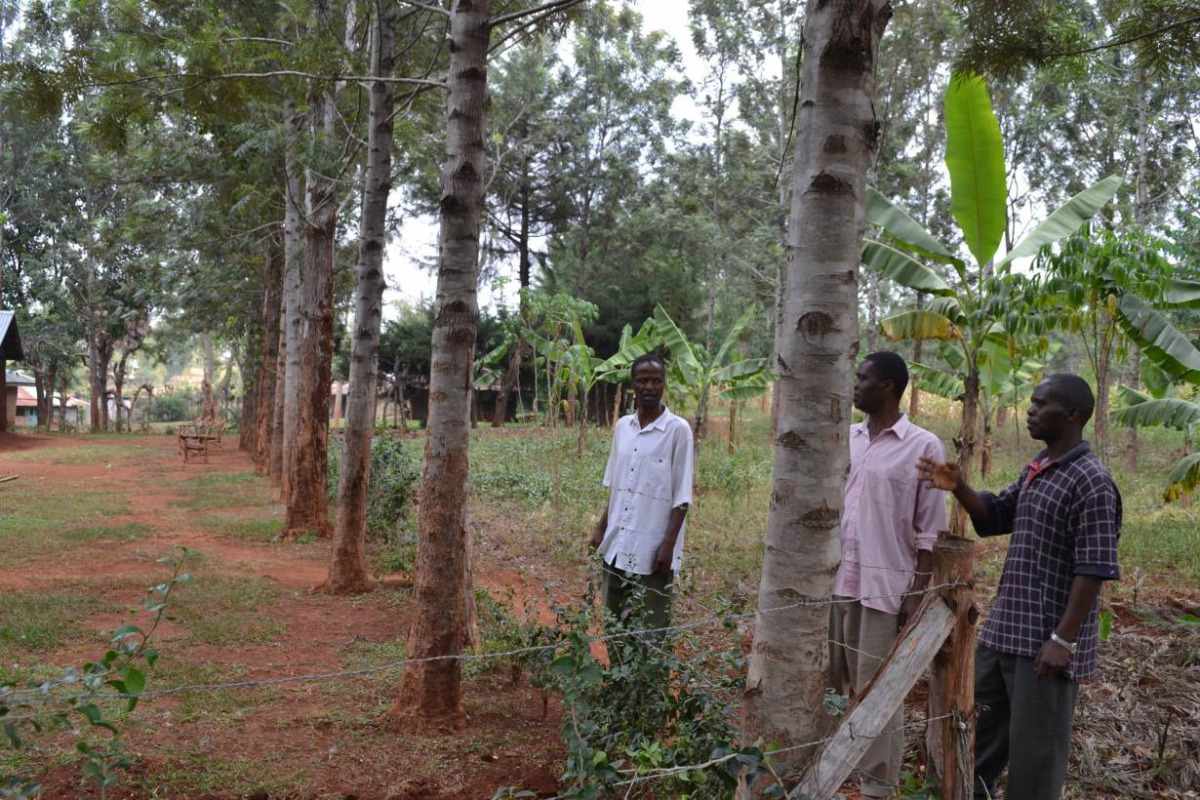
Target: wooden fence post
{"points": [[950, 736]]}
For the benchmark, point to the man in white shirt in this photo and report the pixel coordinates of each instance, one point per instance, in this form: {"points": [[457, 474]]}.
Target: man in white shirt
{"points": [[650, 472]]}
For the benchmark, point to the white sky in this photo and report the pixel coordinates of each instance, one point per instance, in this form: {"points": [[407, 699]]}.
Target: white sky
{"points": [[417, 244]]}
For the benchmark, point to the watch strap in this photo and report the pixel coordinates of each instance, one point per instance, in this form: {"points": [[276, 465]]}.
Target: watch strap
{"points": [[1070, 647]]}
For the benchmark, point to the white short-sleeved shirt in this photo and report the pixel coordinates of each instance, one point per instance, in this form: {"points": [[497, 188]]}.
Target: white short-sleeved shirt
{"points": [[650, 472]]}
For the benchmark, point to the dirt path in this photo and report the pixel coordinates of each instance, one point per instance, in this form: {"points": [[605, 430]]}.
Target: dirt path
{"points": [[329, 731]]}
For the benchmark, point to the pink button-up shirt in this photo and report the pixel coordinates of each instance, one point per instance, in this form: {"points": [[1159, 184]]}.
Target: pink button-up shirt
{"points": [[889, 513]]}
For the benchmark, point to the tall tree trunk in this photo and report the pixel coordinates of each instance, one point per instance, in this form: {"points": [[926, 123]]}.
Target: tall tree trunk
{"points": [[1131, 435], [288, 395], [307, 502], [251, 369], [914, 388], [268, 372], [513, 375], [99, 357], [836, 141], [119, 371], [51, 378], [441, 587], [348, 571]]}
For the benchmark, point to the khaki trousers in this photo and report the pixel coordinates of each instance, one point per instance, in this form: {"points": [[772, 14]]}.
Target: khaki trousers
{"points": [[859, 638]]}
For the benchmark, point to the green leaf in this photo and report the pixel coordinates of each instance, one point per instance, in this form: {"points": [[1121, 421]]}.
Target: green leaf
{"points": [[734, 332], [975, 160], [1161, 342], [935, 381], [1182, 293], [563, 665], [1170, 412], [10, 730], [125, 631], [906, 230], [739, 370], [135, 681], [920, 324], [1188, 619], [1106, 624], [903, 269], [682, 352], [1066, 219], [1184, 478]]}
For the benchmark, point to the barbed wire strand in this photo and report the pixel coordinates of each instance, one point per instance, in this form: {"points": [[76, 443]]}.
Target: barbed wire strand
{"points": [[666, 772], [40, 695]]}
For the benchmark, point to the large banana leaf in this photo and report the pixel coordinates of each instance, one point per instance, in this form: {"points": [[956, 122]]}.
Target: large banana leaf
{"points": [[910, 233], [739, 370], [1182, 293], [935, 381], [949, 307], [1170, 412], [1130, 396], [734, 333], [975, 160], [757, 386], [903, 269], [1161, 342], [921, 324], [1066, 219], [683, 354], [1184, 477], [615, 368]]}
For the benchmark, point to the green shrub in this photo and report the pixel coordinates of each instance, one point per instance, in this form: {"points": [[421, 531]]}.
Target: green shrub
{"points": [[394, 475]]}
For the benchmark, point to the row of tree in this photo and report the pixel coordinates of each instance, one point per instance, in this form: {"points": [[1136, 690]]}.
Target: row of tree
{"points": [[184, 168]]}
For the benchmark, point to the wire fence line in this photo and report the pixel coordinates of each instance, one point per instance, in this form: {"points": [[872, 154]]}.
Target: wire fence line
{"points": [[761, 541], [666, 772], [43, 694]]}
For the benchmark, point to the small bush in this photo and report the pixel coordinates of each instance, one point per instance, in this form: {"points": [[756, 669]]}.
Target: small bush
{"points": [[394, 475]]}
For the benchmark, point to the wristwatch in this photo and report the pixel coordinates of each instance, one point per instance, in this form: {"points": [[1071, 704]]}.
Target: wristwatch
{"points": [[1070, 647]]}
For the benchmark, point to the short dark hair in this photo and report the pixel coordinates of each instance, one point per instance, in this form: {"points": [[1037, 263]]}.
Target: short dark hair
{"points": [[892, 367], [1074, 393], [648, 358]]}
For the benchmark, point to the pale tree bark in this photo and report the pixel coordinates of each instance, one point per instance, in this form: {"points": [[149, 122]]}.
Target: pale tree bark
{"points": [[836, 141], [433, 689], [288, 387], [348, 573], [307, 510]]}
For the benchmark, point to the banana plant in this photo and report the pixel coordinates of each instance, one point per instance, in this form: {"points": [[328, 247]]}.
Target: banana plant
{"points": [[1007, 374], [985, 299], [697, 373], [1143, 410]]}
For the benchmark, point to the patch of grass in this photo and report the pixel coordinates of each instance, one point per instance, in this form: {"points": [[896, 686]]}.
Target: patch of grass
{"points": [[86, 456], [35, 621], [222, 490], [174, 670], [254, 529], [91, 533], [223, 611], [198, 770]]}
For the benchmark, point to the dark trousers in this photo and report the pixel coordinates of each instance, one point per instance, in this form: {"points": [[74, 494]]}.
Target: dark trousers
{"points": [[620, 589], [1025, 726]]}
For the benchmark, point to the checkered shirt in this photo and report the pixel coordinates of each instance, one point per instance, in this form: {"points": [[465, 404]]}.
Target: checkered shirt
{"points": [[1065, 519]]}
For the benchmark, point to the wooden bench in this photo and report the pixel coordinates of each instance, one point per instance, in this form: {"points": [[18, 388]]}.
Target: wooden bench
{"points": [[195, 438]]}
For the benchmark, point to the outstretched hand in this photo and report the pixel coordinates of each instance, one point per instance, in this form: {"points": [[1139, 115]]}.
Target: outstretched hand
{"points": [[939, 475]]}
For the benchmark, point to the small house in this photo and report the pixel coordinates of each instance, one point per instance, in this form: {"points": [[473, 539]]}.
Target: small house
{"points": [[10, 350]]}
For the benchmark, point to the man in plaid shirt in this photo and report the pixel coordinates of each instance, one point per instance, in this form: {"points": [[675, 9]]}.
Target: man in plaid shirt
{"points": [[1040, 638]]}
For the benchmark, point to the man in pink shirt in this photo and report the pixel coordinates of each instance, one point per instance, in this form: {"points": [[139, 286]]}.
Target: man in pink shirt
{"points": [[890, 521]]}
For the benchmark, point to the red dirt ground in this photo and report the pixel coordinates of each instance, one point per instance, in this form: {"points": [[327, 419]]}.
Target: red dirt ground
{"points": [[339, 740]]}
